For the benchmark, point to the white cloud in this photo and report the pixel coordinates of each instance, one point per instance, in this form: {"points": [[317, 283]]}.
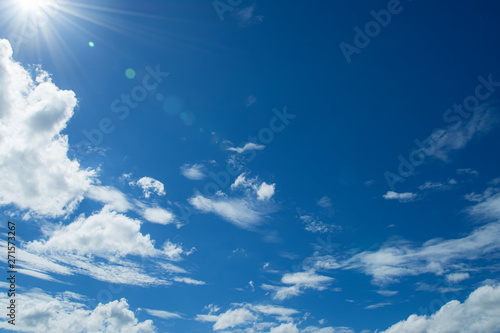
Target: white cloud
{"points": [[105, 233], [241, 181], [285, 328], [387, 292], [479, 197], [325, 202], [401, 258], [37, 174], [240, 212], [149, 185], [110, 196], [250, 101], [314, 329], [265, 191], [297, 283], [37, 274], [259, 318], [117, 201], [97, 246], [435, 256], [36, 263], [455, 137], [480, 312], [490, 208], [495, 181], [209, 318], [246, 16], [377, 305], [158, 215], [430, 186], [282, 293], [232, 318], [401, 197], [315, 225], [275, 310], [163, 314], [194, 171], [307, 279], [38, 311], [247, 146], [457, 277], [468, 171], [189, 281]]}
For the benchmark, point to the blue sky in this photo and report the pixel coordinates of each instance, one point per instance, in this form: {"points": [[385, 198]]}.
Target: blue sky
{"points": [[238, 166]]}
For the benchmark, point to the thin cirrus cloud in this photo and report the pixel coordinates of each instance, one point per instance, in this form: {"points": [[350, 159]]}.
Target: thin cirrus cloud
{"points": [[401, 258], [455, 137], [34, 163]]}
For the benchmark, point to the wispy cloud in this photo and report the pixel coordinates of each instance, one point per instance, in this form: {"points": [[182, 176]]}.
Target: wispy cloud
{"points": [[115, 200], [431, 186], [387, 292], [163, 314], [377, 305], [325, 202], [246, 16], [250, 101], [296, 283], [479, 197], [241, 212], [401, 197], [401, 258], [455, 137], [194, 171], [467, 171], [457, 277], [246, 147], [315, 225]]}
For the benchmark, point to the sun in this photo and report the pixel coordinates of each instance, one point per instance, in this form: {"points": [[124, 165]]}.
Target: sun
{"points": [[34, 5]]}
